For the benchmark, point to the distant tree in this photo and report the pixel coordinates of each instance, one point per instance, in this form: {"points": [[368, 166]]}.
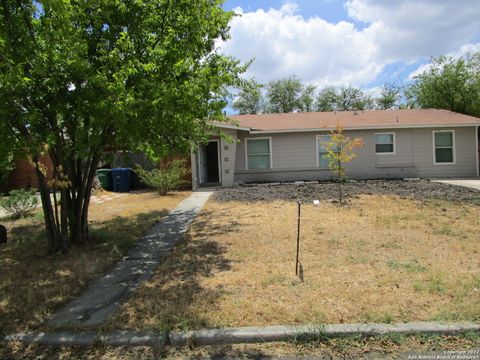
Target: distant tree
{"points": [[369, 102], [284, 95], [250, 98], [408, 99], [307, 98], [350, 98], [449, 83], [340, 150], [327, 99], [389, 96]]}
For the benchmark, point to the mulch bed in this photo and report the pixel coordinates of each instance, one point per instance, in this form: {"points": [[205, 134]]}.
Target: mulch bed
{"points": [[307, 192]]}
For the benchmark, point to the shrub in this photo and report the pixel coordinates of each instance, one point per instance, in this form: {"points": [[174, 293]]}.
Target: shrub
{"points": [[20, 202], [164, 179]]}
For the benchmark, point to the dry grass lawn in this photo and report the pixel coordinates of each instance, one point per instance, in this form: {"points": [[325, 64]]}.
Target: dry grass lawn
{"points": [[381, 258], [32, 284], [381, 347]]}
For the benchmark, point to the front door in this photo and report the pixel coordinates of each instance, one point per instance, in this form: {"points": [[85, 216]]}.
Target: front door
{"points": [[208, 164]]}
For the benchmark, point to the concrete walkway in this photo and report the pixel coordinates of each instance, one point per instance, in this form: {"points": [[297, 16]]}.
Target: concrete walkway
{"points": [[470, 183], [107, 293]]}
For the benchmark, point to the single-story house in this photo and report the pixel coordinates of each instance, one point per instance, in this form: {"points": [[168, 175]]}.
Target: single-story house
{"points": [[424, 143]]}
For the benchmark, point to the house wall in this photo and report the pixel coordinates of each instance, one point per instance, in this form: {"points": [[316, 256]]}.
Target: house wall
{"points": [[294, 156], [227, 156], [228, 151], [23, 175]]}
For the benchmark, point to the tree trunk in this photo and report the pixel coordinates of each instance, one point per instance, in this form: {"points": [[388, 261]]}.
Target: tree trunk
{"points": [[340, 197], [70, 225], [54, 238], [340, 191]]}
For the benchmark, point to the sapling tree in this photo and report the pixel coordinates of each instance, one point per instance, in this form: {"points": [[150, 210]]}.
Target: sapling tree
{"points": [[339, 151]]}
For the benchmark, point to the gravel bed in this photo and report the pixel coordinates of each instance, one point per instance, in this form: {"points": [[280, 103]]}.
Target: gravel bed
{"points": [[309, 191]]}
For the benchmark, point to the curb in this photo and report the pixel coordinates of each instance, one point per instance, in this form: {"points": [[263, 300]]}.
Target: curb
{"points": [[288, 333], [238, 335], [87, 339]]}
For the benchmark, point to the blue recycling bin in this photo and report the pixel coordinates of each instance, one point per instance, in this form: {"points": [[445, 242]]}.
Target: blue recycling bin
{"points": [[121, 179]]}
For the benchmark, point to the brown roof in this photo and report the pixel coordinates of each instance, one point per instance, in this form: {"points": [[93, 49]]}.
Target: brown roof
{"points": [[371, 119]]}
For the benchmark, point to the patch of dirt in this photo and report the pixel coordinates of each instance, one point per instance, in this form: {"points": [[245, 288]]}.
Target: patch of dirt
{"points": [[307, 192]]}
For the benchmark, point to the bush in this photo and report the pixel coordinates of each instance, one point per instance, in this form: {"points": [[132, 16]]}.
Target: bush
{"points": [[165, 179], [20, 202]]}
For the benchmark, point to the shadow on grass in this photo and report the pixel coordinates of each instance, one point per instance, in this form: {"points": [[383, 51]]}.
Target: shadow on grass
{"points": [[175, 297], [33, 284]]}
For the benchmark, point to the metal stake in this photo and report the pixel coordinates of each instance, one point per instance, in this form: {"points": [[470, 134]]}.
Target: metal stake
{"points": [[298, 238]]}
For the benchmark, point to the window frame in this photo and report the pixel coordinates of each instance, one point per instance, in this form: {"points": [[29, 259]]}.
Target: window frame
{"points": [[394, 143], [269, 138], [317, 148], [453, 147]]}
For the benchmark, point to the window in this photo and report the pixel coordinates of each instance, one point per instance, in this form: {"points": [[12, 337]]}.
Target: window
{"points": [[322, 160], [444, 147], [385, 143], [258, 153]]}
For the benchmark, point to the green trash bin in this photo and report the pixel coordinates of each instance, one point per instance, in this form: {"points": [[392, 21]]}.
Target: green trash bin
{"points": [[105, 178]]}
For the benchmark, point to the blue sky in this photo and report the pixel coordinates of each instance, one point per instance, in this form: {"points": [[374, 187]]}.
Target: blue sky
{"points": [[362, 43], [330, 10]]}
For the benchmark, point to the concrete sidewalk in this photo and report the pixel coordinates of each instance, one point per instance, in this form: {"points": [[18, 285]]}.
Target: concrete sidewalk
{"points": [[106, 294], [469, 183]]}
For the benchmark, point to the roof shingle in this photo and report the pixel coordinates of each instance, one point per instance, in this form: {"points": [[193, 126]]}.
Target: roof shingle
{"points": [[369, 119]]}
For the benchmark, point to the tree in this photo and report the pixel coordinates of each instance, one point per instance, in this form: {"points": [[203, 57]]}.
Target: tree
{"points": [[284, 95], [307, 98], [80, 79], [350, 98], [368, 101], [449, 83], [340, 150], [250, 99], [327, 99], [389, 96]]}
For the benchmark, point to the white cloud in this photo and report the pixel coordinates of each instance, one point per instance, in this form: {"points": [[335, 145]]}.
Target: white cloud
{"points": [[408, 29], [465, 50], [284, 43]]}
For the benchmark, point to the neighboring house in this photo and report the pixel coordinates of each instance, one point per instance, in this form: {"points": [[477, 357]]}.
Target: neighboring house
{"points": [[288, 147], [23, 174]]}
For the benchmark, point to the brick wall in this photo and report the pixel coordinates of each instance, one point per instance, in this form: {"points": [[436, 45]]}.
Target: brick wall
{"points": [[23, 175]]}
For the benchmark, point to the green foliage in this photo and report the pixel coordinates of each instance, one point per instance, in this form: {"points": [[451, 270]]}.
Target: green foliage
{"points": [[345, 98], [350, 98], [165, 179], [307, 98], [389, 96], [327, 99], [7, 163], [284, 95], [19, 203], [250, 99], [81, 78], [449, 83]]}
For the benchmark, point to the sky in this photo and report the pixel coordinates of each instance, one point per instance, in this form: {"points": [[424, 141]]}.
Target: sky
{"points": [[363, 43]]}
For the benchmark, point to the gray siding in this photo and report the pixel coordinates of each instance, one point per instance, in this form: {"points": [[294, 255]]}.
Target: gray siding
{"points": [[294, 156]]}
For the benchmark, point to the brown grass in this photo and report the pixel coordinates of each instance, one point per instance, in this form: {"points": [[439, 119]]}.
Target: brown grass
{"points": [[33, 284], [381, 258], [382, 347]]}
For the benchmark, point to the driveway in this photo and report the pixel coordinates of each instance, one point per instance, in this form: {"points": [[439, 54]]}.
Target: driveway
{"points": [[469, 183]]}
